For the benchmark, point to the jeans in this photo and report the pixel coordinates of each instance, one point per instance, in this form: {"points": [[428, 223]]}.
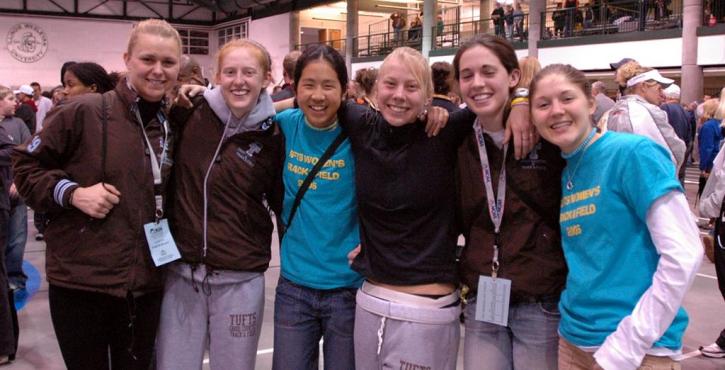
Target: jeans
{"points": [[17, 236], [530, 341], [302, 316]]}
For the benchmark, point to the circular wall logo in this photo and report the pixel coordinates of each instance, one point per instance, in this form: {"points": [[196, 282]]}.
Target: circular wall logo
{"points": [[27, 42]]}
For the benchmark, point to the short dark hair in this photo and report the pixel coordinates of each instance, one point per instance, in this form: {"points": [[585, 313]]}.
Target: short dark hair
{"points": [[441, 73], [497, 45], [89, 73], [33, 84], [329, 55]]}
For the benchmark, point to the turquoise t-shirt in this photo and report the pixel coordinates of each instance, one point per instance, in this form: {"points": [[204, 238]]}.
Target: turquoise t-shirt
{"points": [[607, 246], [325, 227]]}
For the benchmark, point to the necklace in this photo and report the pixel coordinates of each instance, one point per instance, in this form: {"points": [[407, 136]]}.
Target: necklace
{"points": [[581, 148]]}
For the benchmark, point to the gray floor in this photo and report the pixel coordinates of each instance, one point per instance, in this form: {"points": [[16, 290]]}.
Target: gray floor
{"points": [[39, 350]]}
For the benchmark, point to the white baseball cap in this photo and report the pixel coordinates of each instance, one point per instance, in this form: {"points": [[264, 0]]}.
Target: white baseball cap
{"points": [[25, 89]]}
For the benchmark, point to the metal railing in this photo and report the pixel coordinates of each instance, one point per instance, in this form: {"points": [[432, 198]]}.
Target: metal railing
{"points": [[453, 35], [609, 18]]}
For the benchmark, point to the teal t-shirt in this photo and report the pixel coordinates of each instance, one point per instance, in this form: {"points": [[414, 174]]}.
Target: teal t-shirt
{"points": [[325, 227], [607, 246]]}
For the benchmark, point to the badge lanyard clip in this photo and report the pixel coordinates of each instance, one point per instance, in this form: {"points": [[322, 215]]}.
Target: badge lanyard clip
{"points": [[495, 202]]}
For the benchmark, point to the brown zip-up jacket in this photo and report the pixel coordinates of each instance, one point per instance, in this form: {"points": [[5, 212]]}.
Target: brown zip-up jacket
{"points": [[246, 172], [530, 253], [108, 255]]}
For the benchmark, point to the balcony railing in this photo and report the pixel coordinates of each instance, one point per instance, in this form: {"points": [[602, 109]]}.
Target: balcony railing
{"points": [[609, 18]]}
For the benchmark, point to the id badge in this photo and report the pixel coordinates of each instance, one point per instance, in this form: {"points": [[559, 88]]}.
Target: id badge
{"points": [[161, 243], [492, 300]]}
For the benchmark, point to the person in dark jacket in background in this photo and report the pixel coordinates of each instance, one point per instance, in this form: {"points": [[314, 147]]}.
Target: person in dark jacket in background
{"points": [[680, 121], [709, 140]]}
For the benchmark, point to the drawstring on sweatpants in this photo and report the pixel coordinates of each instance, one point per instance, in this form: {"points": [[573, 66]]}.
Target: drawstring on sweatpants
{"points": [[131, 305], [381, 331], [192, 270], [205, 285]]}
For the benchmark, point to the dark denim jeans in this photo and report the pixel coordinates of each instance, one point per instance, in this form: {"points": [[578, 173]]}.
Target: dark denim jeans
{"points": [[17, 237], [304, 315]]}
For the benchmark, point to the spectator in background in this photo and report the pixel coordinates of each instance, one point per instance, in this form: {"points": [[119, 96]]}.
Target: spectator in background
{"points": [[26, 106], [416, 26], [397, 21], [57, 94], [519, 22], [44, 104], [87, 77], [710, 136], [9, 329], [190, 72], [497, 15], [442, 75], [288, 75], [365, 81], [588, 16], [604, 103], [508, 18], [680, 121], [559, 19]]}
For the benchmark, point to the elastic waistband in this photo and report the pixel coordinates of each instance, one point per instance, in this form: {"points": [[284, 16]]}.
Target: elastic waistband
{"points": [[201, 273], [435, 313], [407, 298]]}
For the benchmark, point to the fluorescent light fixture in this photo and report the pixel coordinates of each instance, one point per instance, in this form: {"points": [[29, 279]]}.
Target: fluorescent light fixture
{"points": [[396, 7], [329, 19]]}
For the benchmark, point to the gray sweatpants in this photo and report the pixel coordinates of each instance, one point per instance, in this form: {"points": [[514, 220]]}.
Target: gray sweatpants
{"points": [[397, 335], [220, 311]]}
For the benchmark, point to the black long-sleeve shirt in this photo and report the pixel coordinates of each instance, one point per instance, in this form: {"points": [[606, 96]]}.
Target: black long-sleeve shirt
{"points": [[406, 195]]}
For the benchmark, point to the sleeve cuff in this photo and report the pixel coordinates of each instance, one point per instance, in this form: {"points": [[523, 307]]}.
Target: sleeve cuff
{"points": [[610, 359], [62, 191]]}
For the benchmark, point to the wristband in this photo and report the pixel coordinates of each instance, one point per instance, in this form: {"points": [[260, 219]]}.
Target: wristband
{"points": [[519, 100]]}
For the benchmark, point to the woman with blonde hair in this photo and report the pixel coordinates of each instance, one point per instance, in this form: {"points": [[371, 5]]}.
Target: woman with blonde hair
{"points": [[529, 66], [408, 308], [99, 170], [638, 110]]}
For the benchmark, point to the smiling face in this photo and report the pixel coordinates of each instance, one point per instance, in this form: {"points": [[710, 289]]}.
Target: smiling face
{"points": [[319, 93], [561, 111], [242, 78], [485, 83], [153, 65], [400, 94], [7, 105]]}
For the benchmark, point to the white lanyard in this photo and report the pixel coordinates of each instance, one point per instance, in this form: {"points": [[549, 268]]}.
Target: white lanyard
{"points": [[155, 166], [495, 204]]}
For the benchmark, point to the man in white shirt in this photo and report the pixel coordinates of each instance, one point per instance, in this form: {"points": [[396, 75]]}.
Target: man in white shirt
{"points": [[44, 104]]}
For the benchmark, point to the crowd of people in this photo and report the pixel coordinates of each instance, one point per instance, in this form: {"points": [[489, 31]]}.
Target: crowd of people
{"points": [[157, 205]]}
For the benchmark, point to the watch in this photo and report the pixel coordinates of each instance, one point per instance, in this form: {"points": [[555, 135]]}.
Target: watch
{"points": [[521, 92]]}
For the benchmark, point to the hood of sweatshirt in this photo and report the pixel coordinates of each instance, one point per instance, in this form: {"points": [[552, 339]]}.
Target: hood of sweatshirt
{"points": [[252, 121]]}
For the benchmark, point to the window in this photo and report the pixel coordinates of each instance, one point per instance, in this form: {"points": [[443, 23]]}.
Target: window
{"points": [[194, 42], [235, 31]]}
